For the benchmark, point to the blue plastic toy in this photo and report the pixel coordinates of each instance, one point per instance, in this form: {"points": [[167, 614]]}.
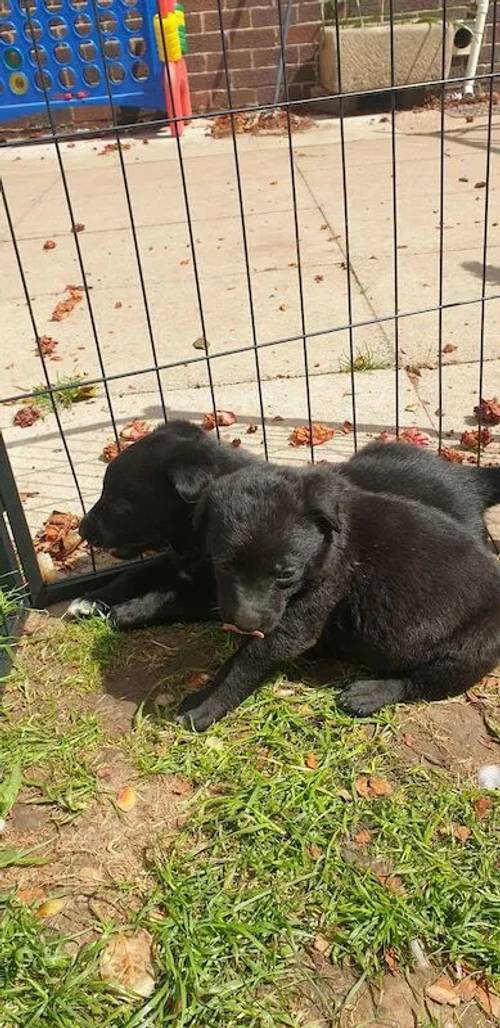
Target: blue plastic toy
{"points": [[54, 46]]}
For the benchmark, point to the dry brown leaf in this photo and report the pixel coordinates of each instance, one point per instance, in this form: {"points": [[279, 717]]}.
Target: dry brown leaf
{"points": [[46, 345], [380, 786], [181, 787], [466, 989], [25, 417], [126, 798], [362, 787], [322, 944], [311, 761], [318, 278], [449, 348], [49, 244], [111, 148], [197, 679], [78, 227], [128, 961], [347, 427], [118, 304], [489, 1001], [478, 439], [111, 451], [223, 418], [488, 411], [49, 908], [283, 307], [235, 443], [58, 537], [442, 992], [393, 883], [452, 455], [390, 958], [135, 430], [363, 837], [315, 852], [461, 833], [273, 123], [64, 308], [251, 429], [482, 806], [319, 433], [30, 895], [371, 786]]}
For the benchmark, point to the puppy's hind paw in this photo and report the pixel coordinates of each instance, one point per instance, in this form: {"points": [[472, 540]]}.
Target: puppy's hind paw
{"points": [[364, 697], [86, 608]]}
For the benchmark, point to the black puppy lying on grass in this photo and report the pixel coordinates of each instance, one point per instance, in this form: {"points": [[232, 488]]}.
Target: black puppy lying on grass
{"points": [[306, 557], [147, 504], [148, 500]]}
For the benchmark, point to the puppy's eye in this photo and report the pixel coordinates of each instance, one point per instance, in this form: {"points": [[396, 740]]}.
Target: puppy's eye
{"points": [[285, 577]]}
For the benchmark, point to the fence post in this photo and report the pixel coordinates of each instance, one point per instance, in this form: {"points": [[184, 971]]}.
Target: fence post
{"points": [[10, 503]]}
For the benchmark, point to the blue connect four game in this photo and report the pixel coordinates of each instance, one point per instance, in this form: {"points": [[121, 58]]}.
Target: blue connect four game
{"points": [[65, 50]]}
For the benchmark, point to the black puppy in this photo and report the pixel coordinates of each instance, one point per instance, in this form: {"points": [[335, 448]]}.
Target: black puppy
{"points": [[147, 503], [304, 556]]}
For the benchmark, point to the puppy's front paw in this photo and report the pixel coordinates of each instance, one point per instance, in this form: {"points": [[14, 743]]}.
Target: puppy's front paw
{"points": [[196, 712], [365, 697], [83, 607], [197, 719]]}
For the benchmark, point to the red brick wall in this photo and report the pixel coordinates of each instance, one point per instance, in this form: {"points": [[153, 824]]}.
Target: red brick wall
{"points": [[252, 39]]}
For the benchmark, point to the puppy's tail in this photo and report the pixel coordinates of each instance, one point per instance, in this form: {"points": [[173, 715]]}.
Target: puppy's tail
{"points": [[489, 479]]}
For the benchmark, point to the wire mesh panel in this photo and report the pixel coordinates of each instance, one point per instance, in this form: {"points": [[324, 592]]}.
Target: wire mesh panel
{"points": [[329, 279]]}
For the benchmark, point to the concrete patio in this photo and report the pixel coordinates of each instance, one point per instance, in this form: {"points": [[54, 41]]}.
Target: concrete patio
{"points": [[40, 212]]}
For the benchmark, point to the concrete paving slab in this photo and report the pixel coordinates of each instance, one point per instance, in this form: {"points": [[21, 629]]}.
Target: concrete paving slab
{"points": [[96, 186]]}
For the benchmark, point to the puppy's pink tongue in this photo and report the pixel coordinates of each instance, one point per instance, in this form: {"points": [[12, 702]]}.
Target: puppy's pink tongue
{"points": [[257, 634]]}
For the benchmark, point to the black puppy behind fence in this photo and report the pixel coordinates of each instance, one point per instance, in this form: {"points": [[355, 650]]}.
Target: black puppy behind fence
{"points": [[19, 569]]}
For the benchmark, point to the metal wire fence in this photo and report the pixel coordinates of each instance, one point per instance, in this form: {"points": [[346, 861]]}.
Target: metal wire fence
{"points": [[17, 539]]}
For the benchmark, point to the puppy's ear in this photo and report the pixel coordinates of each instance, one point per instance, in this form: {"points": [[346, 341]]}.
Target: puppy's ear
{"points": [[323, 495], [190, 476]]}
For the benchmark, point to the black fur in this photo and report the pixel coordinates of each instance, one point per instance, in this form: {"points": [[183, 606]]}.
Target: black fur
{"points": [[147, 503], [308, 557]]}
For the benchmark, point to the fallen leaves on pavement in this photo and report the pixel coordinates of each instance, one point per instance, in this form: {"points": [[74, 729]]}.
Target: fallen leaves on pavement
{"points": [[476, 439], [26, 416], [319, 433], [59, 537], [223, 418], [488, 411], [64, 308]]}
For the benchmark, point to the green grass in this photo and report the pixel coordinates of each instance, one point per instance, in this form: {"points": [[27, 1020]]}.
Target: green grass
{"points": [[364, 360], [265, 861], [75, 391]]}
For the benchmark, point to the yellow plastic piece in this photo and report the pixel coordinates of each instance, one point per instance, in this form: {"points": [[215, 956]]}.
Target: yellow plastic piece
{"points": [[171, 36]]}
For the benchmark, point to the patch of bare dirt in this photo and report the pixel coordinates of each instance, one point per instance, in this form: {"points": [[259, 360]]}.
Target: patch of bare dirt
{"points": [[330, 996], [401, 1001], [154, 670], [95, 856], [458, 734]]}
